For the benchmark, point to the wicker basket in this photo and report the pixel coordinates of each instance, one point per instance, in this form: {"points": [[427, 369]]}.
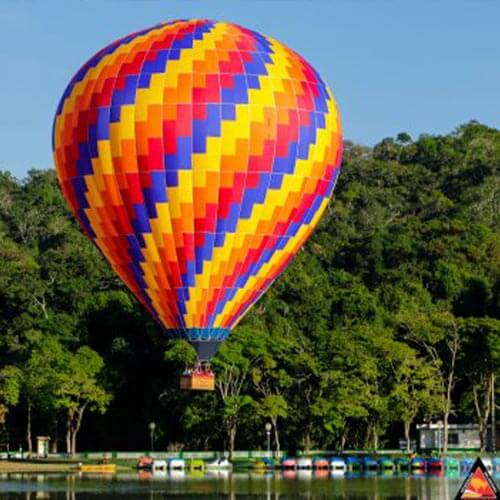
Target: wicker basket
{"points": [[203, 381]]}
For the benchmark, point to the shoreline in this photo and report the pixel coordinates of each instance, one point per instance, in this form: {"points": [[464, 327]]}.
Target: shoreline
{"points": [[26, 466]]}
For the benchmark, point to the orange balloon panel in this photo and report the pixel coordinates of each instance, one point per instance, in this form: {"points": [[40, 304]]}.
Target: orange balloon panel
{"points": [[198, 156]]}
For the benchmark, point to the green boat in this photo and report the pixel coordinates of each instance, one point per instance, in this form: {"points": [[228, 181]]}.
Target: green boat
{"points": [[451, 463], [195, 464], [386, 463]]}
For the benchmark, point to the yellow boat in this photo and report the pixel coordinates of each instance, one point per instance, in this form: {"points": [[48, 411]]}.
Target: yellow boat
{"points": [[101, 468], [259, 465]]}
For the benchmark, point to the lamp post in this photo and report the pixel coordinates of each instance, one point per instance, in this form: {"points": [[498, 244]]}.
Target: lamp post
{"points": [[152, 427], [268, 432]]}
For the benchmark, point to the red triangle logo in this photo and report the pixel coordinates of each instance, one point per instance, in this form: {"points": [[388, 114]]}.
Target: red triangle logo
{"points": [[478, 484]]}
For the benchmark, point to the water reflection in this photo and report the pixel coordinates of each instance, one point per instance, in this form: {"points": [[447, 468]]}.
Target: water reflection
{"points": [[217, 484]]}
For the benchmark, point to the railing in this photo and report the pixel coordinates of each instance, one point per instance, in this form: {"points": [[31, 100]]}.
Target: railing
{"points": [[188, 455], [350, 452], [211, 455]]}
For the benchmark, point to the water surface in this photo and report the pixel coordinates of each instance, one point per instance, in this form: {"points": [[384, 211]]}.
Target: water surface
{"points": [[276, 485]]}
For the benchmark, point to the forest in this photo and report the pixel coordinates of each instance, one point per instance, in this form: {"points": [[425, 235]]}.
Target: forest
{"points": [[388, 317]]}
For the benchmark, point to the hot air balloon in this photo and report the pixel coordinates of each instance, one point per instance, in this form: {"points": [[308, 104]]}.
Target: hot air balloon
{"points": [[198, 156]]}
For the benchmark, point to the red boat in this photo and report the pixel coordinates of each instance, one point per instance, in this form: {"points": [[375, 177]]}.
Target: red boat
{"points": [[321, 464], [434, 464], [145, 463], [289, 464]]}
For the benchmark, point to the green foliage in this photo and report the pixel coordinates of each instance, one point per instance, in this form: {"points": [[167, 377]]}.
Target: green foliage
{"points": [[389, 315], [77, 381]]}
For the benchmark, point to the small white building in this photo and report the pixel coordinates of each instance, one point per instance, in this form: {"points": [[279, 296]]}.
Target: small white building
{"points": [[42, 446], [461, 437]]}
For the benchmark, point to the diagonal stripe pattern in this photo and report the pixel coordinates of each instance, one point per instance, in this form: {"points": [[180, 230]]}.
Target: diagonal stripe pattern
{"points": [[198, 156]]}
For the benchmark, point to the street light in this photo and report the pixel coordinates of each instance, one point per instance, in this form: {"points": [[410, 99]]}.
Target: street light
{"points": [[152, 427], [268, 432]]}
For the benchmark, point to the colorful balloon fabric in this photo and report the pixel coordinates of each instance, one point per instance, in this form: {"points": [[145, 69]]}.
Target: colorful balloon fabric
{"points": [[198, 156]]}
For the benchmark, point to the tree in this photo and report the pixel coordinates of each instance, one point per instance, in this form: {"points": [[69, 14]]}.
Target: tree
{"points": [[272, 380], [274, 407], [415, 390], [437, 334], [233, 366], [78, 389], [40, 379]]}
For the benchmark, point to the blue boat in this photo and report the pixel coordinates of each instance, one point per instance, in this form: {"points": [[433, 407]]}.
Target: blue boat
{"points": [[337, 464], [417, 463], [496, 464], [353, 463], [270, 464], [466, 463], [370, 463]]}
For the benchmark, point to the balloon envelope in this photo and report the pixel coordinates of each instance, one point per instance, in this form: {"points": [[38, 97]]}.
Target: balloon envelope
{"points": [[198, 156]]}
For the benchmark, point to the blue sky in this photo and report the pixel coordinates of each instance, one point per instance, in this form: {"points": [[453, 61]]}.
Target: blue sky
{"points": [[394, 65]]}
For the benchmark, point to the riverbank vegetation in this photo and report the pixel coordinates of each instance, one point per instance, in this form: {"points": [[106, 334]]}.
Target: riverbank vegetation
{"points": [[389, 316]]}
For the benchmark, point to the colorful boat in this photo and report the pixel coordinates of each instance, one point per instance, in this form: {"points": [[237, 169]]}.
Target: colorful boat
{"points": [[435, 463], [353, 463], [145, 463], [176, 464], [259, 465], [196, 464], [417, 463], [304, 463], [289, 464], [270, 463], [451, 463], [402, 463], [369, 463], [320, 463], [219, 464], [338, 465], [98, 468], [386, 463], [159, 465], [466, 463]]}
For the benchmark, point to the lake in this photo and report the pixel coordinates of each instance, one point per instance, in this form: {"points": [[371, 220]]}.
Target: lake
{"points": [[77, 486]]}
